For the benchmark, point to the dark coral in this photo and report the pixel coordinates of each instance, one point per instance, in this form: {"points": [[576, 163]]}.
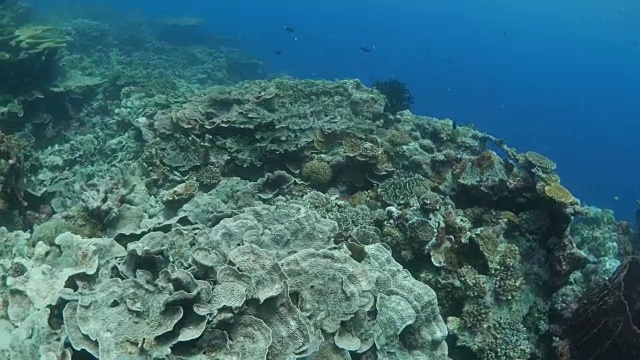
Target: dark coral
{"points": [[398, 96], [34, 87], [12, 154], [27, 52], [606, 323], [268, 186]]}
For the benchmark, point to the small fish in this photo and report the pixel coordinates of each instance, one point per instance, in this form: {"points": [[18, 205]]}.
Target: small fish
{"points": [[278, 52], [289, 29], [616, 198], [367, 48]]}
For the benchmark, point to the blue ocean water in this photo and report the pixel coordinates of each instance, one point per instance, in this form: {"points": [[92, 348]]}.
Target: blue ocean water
{"points": [[559, 78]]}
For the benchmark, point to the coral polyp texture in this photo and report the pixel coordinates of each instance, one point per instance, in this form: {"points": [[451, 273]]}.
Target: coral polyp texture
{"points": [[150, 210]]}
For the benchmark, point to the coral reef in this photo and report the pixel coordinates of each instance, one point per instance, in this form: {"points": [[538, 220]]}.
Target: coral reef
{"points": [[182, 214]]}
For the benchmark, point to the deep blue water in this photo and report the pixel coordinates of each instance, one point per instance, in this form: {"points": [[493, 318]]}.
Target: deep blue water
{"points": [[558, 77]]}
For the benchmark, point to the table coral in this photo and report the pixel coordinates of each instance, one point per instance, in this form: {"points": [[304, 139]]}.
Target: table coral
{"points": [[35, 39], [559, 194], [539, 161]]}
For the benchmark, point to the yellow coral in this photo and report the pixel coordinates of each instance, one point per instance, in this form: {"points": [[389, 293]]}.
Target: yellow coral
{"points": [[183, 192], [38, 38], [320, 145], [548, 178], [352, 146], [317, 172], [558, 193], [369, 152], [208, 175], [509, 216], [398, 138]]}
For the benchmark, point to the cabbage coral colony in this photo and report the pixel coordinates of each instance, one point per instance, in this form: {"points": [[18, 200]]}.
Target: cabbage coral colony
{"points": [[154, 211]]}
